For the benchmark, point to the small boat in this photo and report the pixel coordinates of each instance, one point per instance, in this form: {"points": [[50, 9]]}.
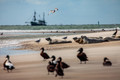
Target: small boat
{"points": [[38, 22]]}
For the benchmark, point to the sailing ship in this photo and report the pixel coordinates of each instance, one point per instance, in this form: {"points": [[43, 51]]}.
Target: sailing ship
{"points": [[38, 22]]}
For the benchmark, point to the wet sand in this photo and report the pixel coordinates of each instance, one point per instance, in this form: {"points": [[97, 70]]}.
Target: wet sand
{"points": [[32, 66]]}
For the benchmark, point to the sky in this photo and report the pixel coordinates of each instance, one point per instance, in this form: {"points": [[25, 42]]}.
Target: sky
{"points": [[17, 12]]}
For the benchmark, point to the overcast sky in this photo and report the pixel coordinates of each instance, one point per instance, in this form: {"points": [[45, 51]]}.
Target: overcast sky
{"points": [[17, 12]]}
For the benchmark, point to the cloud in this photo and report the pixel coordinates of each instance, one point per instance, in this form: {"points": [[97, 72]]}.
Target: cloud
{"points": [[37, 2]]}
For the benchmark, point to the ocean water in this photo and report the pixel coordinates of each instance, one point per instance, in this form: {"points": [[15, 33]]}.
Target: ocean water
{"points": [[10, 50], [13, 35], [58, 27], [10, 40]]}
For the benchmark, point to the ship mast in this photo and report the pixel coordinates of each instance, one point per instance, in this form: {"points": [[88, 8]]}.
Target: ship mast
{"points": [[43, 16], [34, 17]]}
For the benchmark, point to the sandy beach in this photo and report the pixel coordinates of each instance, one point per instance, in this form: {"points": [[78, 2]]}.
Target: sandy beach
{"points": [[32, 66]]}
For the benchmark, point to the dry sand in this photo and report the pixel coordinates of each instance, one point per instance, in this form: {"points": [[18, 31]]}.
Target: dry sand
{"points": [[32, 66]]}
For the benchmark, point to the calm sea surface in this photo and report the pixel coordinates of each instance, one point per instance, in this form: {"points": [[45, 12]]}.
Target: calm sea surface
{"points": [[9, 41], [11, 38]]}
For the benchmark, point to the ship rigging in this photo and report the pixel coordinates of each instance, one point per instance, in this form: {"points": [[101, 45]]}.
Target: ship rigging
{"points": [[38, 22]]}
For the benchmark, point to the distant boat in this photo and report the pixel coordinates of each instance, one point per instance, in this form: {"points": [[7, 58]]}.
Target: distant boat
{"points": [[36, 22]]}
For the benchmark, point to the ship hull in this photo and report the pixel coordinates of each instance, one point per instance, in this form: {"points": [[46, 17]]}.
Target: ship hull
{"points": [[37, 24]]}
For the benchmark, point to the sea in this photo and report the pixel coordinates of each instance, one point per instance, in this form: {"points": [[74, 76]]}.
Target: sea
{"points": [[13, 35], [10, 40]]}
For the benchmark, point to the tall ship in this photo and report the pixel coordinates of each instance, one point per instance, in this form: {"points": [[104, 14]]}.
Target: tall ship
{"points": [[38, 22]]}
